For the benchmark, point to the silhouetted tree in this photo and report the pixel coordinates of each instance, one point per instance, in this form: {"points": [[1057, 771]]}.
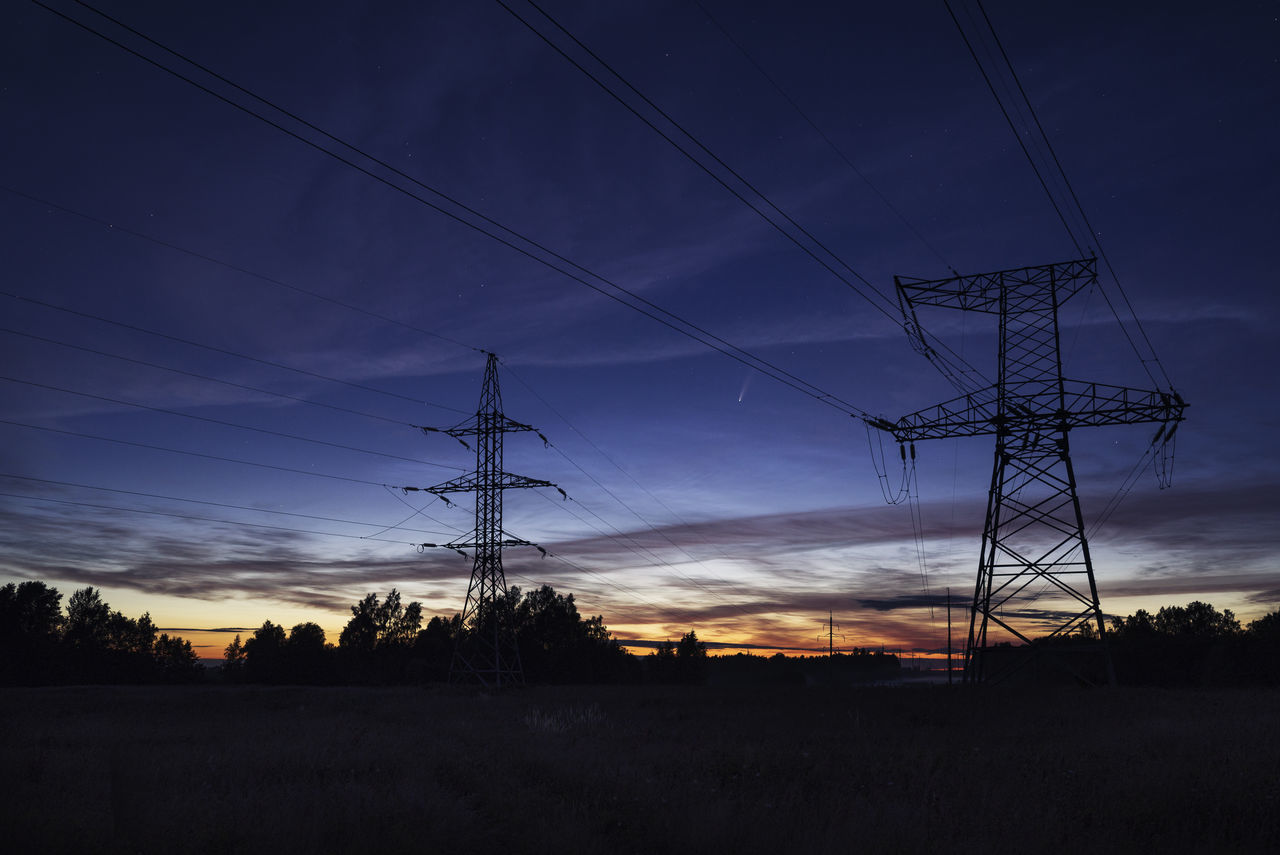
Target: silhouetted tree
{"points": [[377, 643], [557, 645], [385, 624], [30, 627], [1191, 644], [679, 662], [176, 660], [96, 644], [264, 654], [88, 620], [1262, 646], [433, 649], [306, 655], [233, 660], [690, 647], [1267, 626], [1196, 620]]}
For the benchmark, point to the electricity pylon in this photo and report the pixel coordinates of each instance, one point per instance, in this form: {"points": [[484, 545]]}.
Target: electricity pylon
{"points": [[1034, 530], [832, 631], [486, 650]]}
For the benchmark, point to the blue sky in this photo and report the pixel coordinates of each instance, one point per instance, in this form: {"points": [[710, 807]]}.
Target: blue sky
{"points": [[703, 495]]}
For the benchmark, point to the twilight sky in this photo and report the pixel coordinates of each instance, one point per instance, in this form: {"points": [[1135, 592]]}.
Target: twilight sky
{"points": [[217, 338]]}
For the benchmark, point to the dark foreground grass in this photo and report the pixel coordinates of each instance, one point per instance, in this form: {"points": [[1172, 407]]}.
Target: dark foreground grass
{"points": [[632, 769]]}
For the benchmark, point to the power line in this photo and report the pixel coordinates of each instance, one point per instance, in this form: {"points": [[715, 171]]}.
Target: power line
{"points": [[1012, 127], [198, 376], [512, 239], [115, 227], [954, 368], [200, 454], [1043, 137], [826, 139], [196, 518], [209, 503], [223, 423], [224, 351], [886, 310], [1093, 234]]}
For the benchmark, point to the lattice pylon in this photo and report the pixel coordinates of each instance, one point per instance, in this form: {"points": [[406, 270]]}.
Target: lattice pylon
{"points": [[1035, 574], [486, 650]]}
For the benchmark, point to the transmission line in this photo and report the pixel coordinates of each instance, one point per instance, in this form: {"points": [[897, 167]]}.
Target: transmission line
{"points": [[195, 518], [209, 503], [954, 367], [224, 351], [206, 377], [466, 215], [826, 139], [223, 423], [115, 227], [1144, 358], [200, 454]]}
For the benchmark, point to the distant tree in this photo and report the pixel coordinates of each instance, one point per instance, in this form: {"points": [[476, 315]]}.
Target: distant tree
{"points": [[1196, 620], [30, 626], [557, 645], [377, 624], [1191, 644], [306, 654], [233, 660], [690, 648], [132, 636], [1137, 625], [88, 623], [30, 610], [1266, 627], [433, 649], [377, 644], [175, 659], [264, 654], [679, 662]]}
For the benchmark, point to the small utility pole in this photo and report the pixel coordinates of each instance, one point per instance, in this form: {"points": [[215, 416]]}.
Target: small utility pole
{"points": [[831, 635], [948, 636]]}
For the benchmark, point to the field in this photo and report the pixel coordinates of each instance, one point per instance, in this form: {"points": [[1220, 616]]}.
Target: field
{"points": [[638, 769]]}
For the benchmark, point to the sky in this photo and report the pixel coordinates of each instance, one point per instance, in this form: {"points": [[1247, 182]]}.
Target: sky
{"points": [[220, 339]]}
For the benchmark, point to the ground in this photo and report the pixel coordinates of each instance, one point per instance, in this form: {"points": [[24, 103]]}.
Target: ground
{"points": [[638, 769]]}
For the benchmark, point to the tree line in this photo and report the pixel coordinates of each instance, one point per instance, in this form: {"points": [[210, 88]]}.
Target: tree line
{"points": [[1195, 644], [386, 642], [91, 643]]}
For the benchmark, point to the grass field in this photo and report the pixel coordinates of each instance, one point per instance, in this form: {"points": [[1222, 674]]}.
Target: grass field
{"points": [[638, 769]]}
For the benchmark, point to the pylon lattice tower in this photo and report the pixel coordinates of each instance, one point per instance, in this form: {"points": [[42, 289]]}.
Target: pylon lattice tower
{"points": [[486, 650], [1034, 530]]}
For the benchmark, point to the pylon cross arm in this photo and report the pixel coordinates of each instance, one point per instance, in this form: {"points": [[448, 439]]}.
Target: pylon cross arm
{"points": [[1080, 404], [471, 483]]}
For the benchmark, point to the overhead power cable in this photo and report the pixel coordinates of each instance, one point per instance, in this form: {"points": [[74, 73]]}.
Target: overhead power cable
{"points": [[1147, 358], [223, 423], [193, 518], [224, 351], [884, 305], [1094, 235], [206, 377], [207, 502], [953, 366], [1014, 128], [826, 139], [117, 228], [200, 454], [459, 212]]}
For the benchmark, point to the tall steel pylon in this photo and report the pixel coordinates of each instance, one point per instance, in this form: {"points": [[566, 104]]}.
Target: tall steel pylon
{"points": [[486, 650], [1033, 539]]}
